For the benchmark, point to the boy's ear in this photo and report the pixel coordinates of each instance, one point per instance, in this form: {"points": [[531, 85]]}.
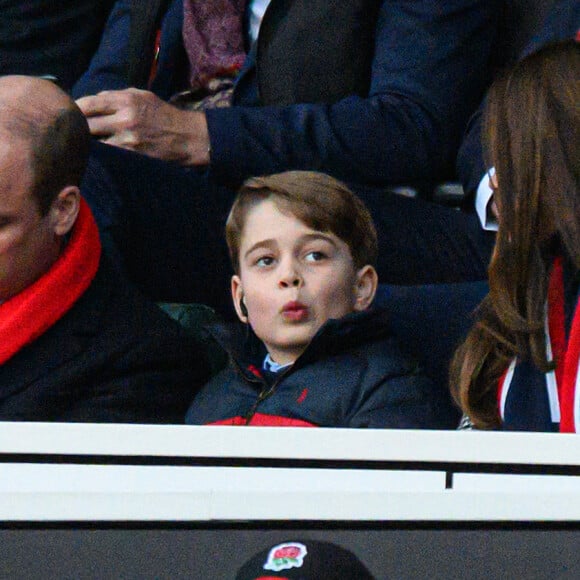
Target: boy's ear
{"points": [[365, 289], [238, 297]]}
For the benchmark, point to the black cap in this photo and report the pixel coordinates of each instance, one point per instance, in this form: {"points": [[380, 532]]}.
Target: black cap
{"points": [[304, 560]]}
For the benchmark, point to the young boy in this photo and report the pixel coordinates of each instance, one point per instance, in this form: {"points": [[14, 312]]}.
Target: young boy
{"points": [[312, 353]]}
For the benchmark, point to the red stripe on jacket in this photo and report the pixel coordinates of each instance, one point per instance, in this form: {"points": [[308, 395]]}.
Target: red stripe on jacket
{"points": [[263, 420]]}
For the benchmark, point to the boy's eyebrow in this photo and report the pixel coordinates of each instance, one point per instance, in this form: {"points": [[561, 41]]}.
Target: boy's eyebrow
{"points": [[269, 243], [261, 244]]}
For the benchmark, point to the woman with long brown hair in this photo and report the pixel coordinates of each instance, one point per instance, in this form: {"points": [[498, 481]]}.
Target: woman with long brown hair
{"points": [[518, 367]]}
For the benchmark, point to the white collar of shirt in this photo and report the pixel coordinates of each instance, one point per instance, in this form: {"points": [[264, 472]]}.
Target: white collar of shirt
{"points": [[483, 203], [257, 10], [273, 366]]}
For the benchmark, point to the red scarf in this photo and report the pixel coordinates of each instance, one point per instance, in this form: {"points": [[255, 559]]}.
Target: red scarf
{"points": [[29, 314], [563, 384]]}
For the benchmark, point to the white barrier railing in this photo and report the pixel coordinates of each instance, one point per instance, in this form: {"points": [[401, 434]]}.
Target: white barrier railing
{"points": [[79, 472]]}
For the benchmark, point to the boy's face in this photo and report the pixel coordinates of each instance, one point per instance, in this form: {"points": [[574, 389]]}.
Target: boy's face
{"points": [[293, 278]]}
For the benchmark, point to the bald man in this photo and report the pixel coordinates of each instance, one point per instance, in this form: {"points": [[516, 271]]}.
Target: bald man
{"points": [[77, 343]]}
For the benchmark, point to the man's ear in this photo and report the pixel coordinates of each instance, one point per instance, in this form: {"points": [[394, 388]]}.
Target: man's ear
{"points": [[64, 210], [365, 289], [238, 297]]}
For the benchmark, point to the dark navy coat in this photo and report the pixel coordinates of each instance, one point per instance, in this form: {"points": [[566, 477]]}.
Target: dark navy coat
{"points": [[114, 357], [352, 374]]}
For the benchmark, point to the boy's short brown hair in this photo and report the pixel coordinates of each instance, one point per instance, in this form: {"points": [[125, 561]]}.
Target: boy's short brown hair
{"points": [[317, 200]]}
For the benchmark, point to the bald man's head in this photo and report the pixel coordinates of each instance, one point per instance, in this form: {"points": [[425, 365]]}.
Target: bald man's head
{"points": [[46, 123]]}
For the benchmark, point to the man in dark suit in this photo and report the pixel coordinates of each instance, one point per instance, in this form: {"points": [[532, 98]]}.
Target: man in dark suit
{"points": [[374, 92], [78, 344]]}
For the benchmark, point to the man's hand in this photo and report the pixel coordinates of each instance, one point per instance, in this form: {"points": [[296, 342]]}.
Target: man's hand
{"points": [[140, 121]]}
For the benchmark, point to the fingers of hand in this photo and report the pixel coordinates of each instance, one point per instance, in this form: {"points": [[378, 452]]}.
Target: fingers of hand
{"points": [[115, 113], [109, 102], [126, 119], [105, 103]]}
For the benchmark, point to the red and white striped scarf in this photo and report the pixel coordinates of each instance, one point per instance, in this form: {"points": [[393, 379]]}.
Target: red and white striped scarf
{"points": [[563, 384]]}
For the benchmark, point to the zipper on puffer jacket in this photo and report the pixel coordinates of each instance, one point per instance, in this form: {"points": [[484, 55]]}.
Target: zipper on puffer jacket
{"points": [[264, 394]]}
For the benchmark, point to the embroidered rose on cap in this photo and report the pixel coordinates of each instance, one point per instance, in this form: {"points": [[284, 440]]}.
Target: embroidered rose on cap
{"points": [[286, 556]]}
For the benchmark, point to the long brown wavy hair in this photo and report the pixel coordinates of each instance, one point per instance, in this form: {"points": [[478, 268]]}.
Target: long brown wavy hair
{"points": [[532, 138]]}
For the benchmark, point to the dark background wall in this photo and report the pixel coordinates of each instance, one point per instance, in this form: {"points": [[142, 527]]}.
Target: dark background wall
{"points": [[56, 37]]}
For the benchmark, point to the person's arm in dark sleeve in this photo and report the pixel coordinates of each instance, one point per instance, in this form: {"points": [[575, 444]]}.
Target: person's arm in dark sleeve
{"points": [[108, 67], [428, 74]]}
